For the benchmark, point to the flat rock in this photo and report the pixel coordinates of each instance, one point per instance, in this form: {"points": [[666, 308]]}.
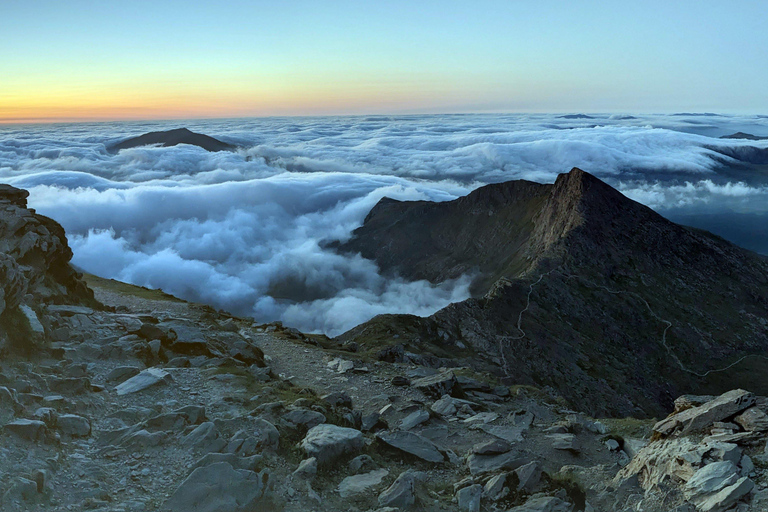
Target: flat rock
{"points": [[219, 487], [412, 444], [711, 478], [302, 419], [508, 434], [703, 416], [328, 442], [564, 442], [361, 484], [143, 380]]}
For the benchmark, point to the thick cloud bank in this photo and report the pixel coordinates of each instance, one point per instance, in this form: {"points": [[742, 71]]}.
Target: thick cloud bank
{"points": [[245, 231]]}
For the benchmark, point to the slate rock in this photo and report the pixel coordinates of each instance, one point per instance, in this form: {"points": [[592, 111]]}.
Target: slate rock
{"points": [[468, 498], [356, 485], [435, 386], [33, 430], [221, 488], [412, 444], [403, 491], [703, 416], [145, 379]]}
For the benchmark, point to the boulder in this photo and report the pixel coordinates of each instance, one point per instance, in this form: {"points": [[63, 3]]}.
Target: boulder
{"points": [[435, 386], [301, 419], [307, 469], [221, 488], [33, 430], [753, 419], [74, 425], [412, 444], [564, 442], [403, 491], [711, 478], [703, 416], [328, 442], [528, 477], [205, 438], [145, 379], [361, 484], [468, 498], [495, 488], [727, 497]]}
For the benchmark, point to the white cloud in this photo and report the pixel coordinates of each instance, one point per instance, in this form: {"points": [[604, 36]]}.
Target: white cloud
{"points": [[243, 231]]}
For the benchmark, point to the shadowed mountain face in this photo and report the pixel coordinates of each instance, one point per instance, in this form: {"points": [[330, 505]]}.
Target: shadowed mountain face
{"points": [[627, 309], [742, 135], [173, 138]]}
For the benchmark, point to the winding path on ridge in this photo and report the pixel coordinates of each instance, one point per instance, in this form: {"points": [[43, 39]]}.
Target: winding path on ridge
{"points": [[503, 339]]}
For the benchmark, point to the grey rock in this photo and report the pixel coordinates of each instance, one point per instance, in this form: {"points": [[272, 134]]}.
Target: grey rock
{"points": [[250, 463], [372, 422], [711, 478], [122, 373], [307, 469], [361, 463], [33, 430], [612, 445], [528, 477], [492, 447], [449, 406], [509, 434], [468, 498], [543, 504], [412, 444], [145, 379], [302, 419], [205, 438], [361, 484], [481, 464], [338, 399], [753, 419], [328, 442], [74, 425], [22, 491], [221, 488], [495, 488], [703, 416], [727, 497], [435, 386], [403, 491], [414, 419], [564, 442]]}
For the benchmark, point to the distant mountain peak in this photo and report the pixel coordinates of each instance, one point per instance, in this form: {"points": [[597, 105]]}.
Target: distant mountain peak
{"points": [[172, 138]]}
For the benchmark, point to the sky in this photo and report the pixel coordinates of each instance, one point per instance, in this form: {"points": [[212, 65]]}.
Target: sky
{"points": [[168, 59]]}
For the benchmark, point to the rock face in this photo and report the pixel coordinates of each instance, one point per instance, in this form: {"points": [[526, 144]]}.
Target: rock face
{"points": [[580, 289], [34, 271], [173, 138], [706, 414]]}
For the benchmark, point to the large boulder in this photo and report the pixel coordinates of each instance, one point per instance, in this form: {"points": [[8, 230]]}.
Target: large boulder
{"points": [[219, 487], [412, 444], [698, 418], [328, 442]]}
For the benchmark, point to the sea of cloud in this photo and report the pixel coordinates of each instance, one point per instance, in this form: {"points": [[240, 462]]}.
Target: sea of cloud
{"points": [[245, 231]]}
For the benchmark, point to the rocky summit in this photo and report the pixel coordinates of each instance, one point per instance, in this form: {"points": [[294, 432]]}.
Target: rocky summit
{"points": [[577, 289], [117, 398]]}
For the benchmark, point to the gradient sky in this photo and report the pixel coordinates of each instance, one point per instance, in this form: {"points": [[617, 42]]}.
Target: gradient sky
{"points": [[87, 59]]}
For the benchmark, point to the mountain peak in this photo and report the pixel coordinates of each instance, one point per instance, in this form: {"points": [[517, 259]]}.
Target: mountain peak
{"points": [[172, 138]]}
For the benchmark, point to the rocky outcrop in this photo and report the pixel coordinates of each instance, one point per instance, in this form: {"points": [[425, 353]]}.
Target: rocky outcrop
{"points": [[579, 290], [34, 272]]}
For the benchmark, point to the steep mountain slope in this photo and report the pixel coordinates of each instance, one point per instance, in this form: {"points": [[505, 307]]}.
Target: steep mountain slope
{"points": [[613, 306], [173, 138]]}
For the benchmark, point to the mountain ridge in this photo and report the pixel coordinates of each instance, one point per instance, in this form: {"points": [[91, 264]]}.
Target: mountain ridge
{"points": [[610, 274]]}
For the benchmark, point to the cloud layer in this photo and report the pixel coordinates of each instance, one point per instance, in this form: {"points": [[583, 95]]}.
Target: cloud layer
{"points": [[244, 231]]}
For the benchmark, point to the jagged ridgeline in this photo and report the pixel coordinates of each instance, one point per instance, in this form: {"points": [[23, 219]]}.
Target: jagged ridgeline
{"points": [[577, 288], [34, 271]]}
